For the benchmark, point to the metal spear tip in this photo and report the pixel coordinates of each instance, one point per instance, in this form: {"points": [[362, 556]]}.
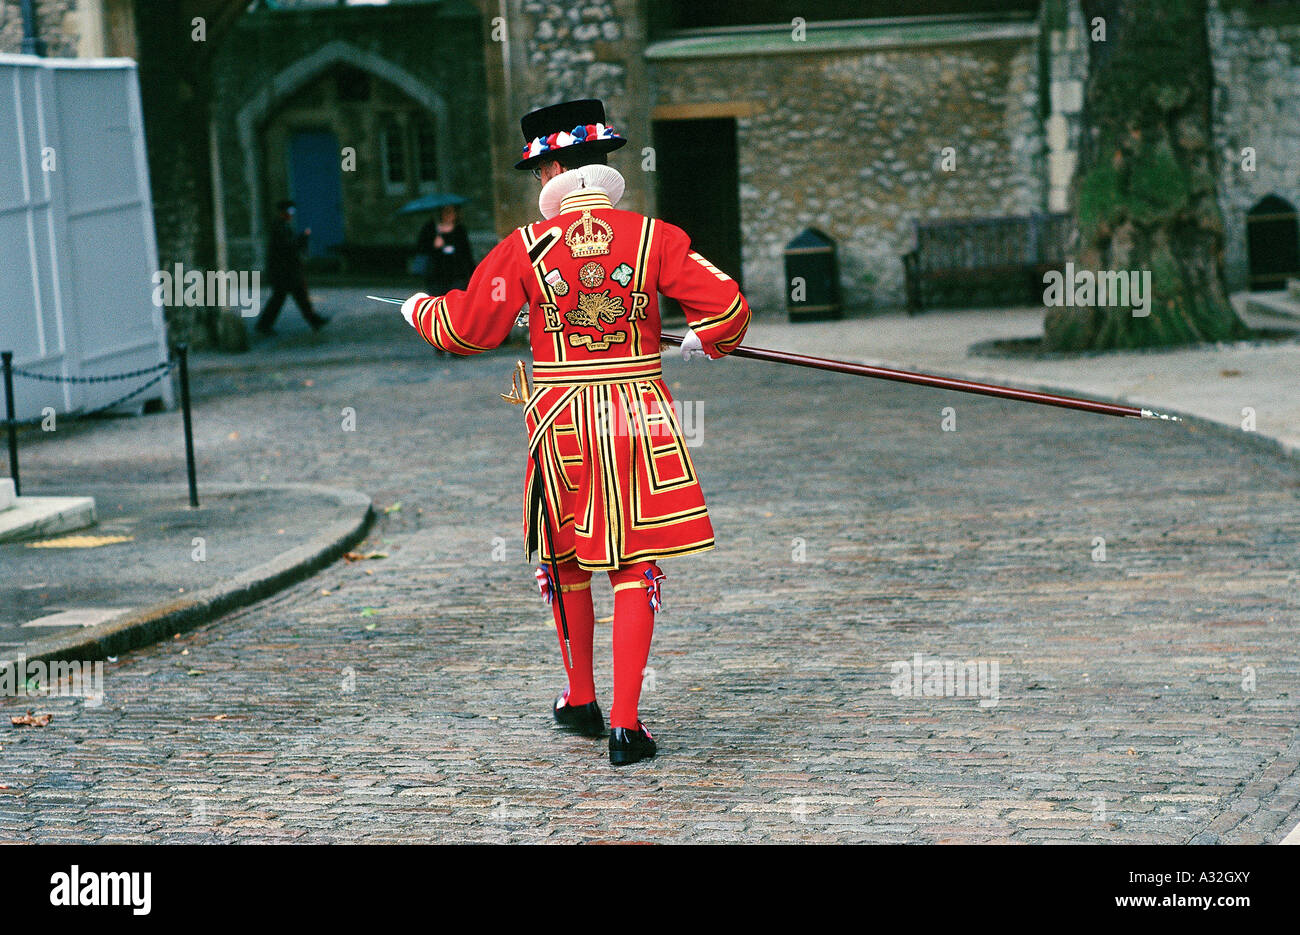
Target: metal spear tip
{"points": [[380, 298], [1152, 414]]}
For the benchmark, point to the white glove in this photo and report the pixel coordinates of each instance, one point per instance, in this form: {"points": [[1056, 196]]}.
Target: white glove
{"points": [[691, 346], [408, 307]]}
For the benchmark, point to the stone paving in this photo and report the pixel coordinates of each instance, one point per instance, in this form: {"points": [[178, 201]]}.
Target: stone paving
{"points": [[1147, 697]]}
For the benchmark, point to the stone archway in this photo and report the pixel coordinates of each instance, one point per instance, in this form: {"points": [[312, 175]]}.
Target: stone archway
{"points": [[291, 79], [1272, 243]]}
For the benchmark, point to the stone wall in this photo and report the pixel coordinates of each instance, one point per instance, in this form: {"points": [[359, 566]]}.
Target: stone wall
{"points": [[551, 52], [1257, 105], [56, 23], [851, 141], [431, 53]]}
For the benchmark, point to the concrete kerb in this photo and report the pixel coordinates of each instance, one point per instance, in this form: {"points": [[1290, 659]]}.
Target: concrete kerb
{"points": [[142, 627]]}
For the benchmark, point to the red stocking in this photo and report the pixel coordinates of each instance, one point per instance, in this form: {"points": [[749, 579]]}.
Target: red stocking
{"points": [[633, 627], [576, 584]]}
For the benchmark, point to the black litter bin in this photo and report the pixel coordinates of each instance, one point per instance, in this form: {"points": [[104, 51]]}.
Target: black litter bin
{"points": [[812, 278]]}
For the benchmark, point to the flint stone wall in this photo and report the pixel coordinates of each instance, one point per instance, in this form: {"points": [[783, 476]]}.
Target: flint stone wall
{"points": [[851, 142], [1256, 104]]}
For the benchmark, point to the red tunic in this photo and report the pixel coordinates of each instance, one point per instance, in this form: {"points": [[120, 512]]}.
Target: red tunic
{"points": [[617, 473]]}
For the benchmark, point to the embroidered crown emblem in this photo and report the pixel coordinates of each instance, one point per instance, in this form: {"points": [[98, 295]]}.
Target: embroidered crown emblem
{"points": [[584, 239]]}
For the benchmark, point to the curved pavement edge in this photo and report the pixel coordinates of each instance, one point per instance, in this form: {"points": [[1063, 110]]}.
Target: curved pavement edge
{"points": [[137, 628]]}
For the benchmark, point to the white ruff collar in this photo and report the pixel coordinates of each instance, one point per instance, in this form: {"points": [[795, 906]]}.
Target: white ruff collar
{"points": [[601, 178]]}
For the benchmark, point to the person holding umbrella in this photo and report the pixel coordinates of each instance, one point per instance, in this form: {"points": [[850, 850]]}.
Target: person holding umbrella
{"points": [[442, 246], [609, 484]]}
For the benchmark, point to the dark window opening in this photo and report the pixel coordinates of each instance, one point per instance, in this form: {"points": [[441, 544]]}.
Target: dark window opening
{"points": [[394, 145], [426, 149], [351, 84]]}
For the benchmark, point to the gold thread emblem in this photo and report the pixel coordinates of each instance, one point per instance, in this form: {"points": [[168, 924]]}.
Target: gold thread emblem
{"points": [[594, 308], [588, 241], [555, 280], [587, 341], [591, 275]]}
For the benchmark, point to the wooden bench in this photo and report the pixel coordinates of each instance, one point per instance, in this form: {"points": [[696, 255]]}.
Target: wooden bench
{"points": [[1011, 253]]}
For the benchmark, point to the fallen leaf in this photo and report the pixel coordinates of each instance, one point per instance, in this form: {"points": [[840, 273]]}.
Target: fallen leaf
{"points": [[605, 620], [371, 626], [368, 611], [1229, 373], [370, 571], [308, 382], [395, 508], [233, 437], [194, 672], [30, 720]]}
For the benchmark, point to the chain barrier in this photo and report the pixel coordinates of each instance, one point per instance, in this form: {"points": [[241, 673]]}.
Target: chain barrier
{"points": [[113, 377], [161, 371]]}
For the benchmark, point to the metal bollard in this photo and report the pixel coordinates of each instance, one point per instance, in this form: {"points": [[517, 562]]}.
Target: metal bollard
{"points": [[8, 357], [183, 356]]}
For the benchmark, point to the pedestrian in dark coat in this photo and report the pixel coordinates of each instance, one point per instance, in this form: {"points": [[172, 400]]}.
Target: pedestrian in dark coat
{"points": [[284, 270], [445, 244]]}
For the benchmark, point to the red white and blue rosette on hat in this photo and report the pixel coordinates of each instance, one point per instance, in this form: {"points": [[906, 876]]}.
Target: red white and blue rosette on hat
{"points": [[588, 134]]}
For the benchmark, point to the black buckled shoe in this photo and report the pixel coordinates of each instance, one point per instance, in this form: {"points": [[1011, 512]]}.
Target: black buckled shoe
{"points": [[585, 719], [629, 746]]}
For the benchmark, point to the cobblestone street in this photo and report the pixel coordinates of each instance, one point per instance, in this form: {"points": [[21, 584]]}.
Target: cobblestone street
{"points": [[1147, 697]]}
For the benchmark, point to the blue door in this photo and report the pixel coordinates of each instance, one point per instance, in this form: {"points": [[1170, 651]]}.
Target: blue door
{"points": [[316, 182]]}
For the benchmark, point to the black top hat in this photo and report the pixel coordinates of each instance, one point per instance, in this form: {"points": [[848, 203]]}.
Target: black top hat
{"points": [[574, 126]]}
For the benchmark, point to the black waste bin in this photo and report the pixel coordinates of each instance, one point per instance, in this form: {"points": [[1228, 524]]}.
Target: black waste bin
{"points": [[812, 278]]}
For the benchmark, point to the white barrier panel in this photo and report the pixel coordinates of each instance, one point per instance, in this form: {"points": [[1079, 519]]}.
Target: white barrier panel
{"points": [[77, 248]]}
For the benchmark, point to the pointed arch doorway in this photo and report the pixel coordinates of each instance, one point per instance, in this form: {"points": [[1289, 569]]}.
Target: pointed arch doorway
{"points": [[1272, 243]]}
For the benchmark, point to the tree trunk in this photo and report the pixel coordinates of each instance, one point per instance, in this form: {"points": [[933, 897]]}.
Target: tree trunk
{"points": [[1145, 190]]}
